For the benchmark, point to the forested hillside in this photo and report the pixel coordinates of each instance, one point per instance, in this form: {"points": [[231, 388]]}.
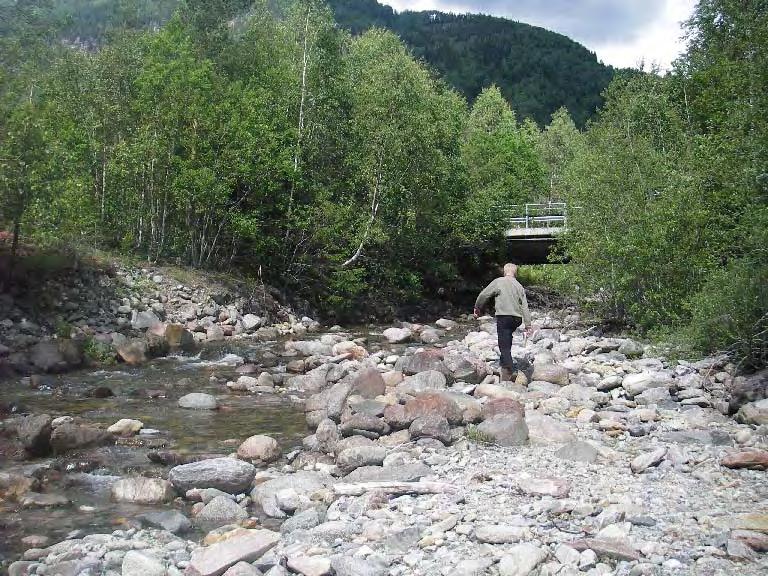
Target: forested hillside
{"points": [[538, 71], [341, 169]]}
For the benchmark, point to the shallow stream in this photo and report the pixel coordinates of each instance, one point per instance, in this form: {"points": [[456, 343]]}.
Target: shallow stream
{"points": [[148, 393]]}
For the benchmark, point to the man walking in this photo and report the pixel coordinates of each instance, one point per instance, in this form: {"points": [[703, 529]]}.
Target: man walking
{"points": [[511, 311]]}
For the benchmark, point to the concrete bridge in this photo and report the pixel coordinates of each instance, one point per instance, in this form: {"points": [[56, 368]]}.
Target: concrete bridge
{"points": [[533, 230]]}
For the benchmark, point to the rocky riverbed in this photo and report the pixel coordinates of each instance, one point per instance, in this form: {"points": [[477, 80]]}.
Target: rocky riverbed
{"points": [[600, 459]]}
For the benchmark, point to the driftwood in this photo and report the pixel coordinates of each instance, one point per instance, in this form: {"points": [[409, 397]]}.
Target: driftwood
{"points": [[399, 488]]}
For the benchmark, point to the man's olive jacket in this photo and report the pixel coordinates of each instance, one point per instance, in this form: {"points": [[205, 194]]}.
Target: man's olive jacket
{"points": [[510, 298]]}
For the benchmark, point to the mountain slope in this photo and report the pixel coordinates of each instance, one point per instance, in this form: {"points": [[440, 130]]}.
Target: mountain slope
{"points": [[537, 70]]}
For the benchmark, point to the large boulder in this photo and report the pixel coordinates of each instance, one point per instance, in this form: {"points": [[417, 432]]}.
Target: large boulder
{"points": [[397, 335], [218, 512], [369, 383], [170, 520], [304, 483], [331, 401], [754, 413], [422, 362], [543, 429], [47, 356], [242, 546], [431, 426], [179, 338], [34, 432], [353, 458], [466, 367], [70, 436], [310, 347], [139, 490], [365, 425], [260, 448], [198, 401], [427, 403], [225, 474], [553, 373], [496, 406], [143, 320], [505, 429], [327, 435], [133, 352], [635, 384], [423, 381]]}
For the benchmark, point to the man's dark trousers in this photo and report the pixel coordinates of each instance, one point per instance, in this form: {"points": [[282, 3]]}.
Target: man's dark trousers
{"points": [[506, 326]]}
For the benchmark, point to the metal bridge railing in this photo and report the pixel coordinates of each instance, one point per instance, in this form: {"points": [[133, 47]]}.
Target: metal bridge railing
{"points": [[549, 215]]}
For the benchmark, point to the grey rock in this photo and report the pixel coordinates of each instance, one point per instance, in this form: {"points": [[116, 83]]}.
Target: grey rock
{"points": [[350, 566], [243, 569], [140, 490], [352, 458], [578, 452], [363, 422], [500, 534], [648, 460], [198, 401], [303, 482], [143, 320], [428, 360], [226, 474], [505, 429], [219, 512], [431, 426], [34, 432], [521, 560], [553, 373], [430, 380], [543, 429], [170, 520], [754, 413], [47, 357], [635, 384], [327, 435], [400, 473], [397, 335], [251, 322], [305, 520], [136, 563], [247, 546], [71, 436]]}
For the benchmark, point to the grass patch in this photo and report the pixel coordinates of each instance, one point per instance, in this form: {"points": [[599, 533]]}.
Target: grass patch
{"points": [[475, 435]]}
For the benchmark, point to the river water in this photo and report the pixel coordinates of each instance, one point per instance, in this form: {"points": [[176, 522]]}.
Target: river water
{"points": [[148, 393]]}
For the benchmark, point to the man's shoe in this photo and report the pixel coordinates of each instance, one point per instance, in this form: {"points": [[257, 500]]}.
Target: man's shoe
{"points": [[508, 375]]}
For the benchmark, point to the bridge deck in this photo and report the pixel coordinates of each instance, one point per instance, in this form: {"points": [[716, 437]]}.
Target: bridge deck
{"points": [[534, 233]]}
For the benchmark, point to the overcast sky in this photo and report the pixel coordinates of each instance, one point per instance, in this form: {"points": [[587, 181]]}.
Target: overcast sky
{"points": [[620, 32]]}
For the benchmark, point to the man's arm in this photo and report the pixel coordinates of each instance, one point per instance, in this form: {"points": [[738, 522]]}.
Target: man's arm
{"points": [[488, 292], [526, 312]]}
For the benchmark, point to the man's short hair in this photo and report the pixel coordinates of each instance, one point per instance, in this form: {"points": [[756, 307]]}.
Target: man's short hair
{"points": [[510, 269]]}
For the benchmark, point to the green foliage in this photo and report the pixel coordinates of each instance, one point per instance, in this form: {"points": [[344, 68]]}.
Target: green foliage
{"points": [[475, 435], [98, 353], [668, 192], [501, 165]]}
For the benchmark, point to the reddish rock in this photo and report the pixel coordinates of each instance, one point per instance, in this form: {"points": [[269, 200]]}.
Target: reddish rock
{"points": [[754, 459], [433, 403], [369, 383], [497, 406], [395, 416]]}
